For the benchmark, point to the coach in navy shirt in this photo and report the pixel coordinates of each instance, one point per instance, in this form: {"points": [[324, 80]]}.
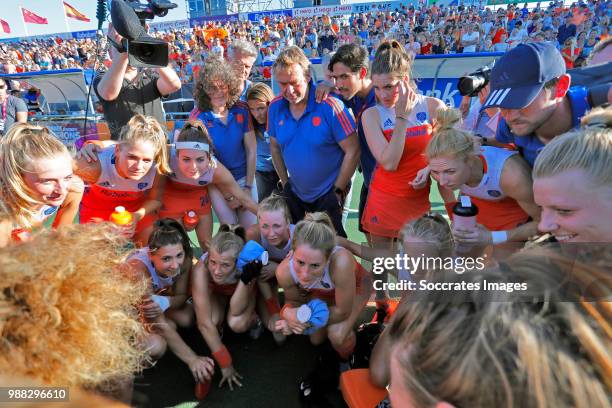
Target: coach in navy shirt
{"points": [[314, 146]]}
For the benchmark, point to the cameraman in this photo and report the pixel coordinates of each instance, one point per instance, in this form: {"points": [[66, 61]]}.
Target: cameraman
{"points": [[125, 91], [536, 100]]}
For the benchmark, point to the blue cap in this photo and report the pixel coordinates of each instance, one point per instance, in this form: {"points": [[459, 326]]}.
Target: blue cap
{"points": [[519, 75]]}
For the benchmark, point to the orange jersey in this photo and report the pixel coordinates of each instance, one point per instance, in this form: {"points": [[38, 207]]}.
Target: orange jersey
{"points": [[418, 135]]}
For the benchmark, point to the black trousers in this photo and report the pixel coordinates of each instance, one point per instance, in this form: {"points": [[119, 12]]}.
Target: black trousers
{"points": [[328, 203]]}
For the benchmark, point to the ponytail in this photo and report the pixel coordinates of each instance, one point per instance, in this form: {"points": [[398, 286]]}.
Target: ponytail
{"points": [[447, 139], [167, 231], [317, 231]]}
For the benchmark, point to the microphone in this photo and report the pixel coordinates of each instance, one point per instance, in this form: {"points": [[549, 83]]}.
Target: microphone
{"points": [[101, 13]]}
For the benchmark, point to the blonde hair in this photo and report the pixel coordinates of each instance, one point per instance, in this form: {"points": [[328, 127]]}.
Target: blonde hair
{"points": [[69, 319], [431, 228], [292, 55], [227, 241], [260, 92], [22, 146], [147, 129], [317, 231], [541, 347], [588, 149], [447, 140], [598, 117], [392, 59], [275, 203]]}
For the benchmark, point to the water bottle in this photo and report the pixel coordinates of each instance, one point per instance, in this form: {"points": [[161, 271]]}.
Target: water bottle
{"points": [[190, 220], [121, 217]]}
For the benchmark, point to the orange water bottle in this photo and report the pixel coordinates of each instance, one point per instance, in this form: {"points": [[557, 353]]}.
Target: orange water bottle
{"points": [[121, 217], [190, 220]]}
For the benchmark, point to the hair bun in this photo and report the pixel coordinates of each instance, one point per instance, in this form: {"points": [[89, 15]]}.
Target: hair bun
{"points": [[447, 119]]}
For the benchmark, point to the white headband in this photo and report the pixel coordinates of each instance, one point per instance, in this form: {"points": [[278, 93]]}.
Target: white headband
{"points": [[192, 145]]}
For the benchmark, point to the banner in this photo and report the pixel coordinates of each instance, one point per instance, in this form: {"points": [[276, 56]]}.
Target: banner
{"points": [[70, 131], [259, 16], [167, 25], [382, 6], [337, 10], [206, 19], [77, 35], [480, 3]]}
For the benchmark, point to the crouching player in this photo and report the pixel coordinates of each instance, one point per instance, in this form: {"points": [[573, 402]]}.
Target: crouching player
{"points": [[317, 269], [166, 264]]}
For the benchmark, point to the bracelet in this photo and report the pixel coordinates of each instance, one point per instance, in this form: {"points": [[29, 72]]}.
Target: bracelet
{"points": [[499, 237], [222, 357]]}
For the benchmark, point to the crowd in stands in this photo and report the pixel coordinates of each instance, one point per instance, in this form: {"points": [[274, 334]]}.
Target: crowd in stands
{"points": [[422, 30]]}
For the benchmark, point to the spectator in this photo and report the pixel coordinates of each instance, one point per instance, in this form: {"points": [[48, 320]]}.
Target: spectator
{"points": [[566, 30], [469, 40], [14, 110]]}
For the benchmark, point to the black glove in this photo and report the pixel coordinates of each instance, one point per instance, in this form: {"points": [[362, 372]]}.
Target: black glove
{"points": [[251, 271]]}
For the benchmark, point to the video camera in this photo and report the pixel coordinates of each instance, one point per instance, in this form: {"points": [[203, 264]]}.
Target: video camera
{"points": [[473, 83], [128, 18]]}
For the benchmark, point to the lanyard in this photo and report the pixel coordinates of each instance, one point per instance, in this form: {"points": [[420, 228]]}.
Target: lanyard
{"points": [[4, 109]]}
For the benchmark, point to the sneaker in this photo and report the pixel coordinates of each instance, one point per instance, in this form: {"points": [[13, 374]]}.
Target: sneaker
{"points": [[256, 330]]}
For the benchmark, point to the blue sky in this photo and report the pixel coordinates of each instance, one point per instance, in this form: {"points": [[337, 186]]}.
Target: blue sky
{"points": [[53, 10]]}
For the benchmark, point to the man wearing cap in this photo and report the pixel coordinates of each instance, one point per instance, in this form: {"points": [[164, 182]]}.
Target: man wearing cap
{"points": [[536, 101]]}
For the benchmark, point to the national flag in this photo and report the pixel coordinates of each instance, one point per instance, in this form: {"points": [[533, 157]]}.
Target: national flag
{"points": [[74, 13], [29, 17], [4, 26]]}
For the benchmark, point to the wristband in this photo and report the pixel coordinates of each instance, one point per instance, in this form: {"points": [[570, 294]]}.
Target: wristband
{"points": [[286, 306], [499, 237], [222, 357], [272, 305]]}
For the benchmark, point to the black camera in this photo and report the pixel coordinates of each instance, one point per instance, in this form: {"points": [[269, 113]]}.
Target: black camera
{"points": [[128, 17], [153, 8], [473, 83]]}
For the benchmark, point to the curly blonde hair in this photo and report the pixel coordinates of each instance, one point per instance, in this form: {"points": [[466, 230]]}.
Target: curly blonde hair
{"points": [[69, 319]]}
